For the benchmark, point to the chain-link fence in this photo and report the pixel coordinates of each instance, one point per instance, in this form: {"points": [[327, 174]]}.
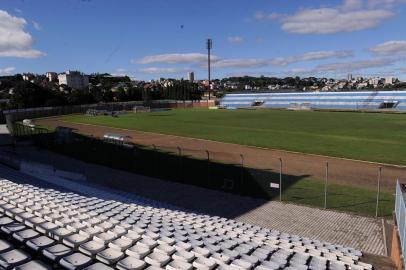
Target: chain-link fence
{"points": [[329, 183]]}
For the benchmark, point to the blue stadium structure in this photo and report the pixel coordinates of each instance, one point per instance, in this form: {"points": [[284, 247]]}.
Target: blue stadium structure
{"points": [[366, 100]]}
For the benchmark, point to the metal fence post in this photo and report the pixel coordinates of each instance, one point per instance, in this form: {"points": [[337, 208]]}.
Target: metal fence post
{"points": [[377, 193], [280, 179], [208, 168], [154, 160], [180, 161], [325, 187], [242, 169]]}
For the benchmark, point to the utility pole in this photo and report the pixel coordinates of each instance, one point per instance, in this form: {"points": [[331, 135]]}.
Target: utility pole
{"points": [[209, 46]]}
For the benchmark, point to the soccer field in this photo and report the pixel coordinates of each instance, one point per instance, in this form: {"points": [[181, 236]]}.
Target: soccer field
{"points": [[375, 137]]}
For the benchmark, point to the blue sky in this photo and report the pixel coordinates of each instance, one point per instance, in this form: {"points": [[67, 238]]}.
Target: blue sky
{"points": [[166, 38]]}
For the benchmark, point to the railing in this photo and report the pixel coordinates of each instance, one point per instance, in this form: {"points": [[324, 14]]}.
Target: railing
{"points": [[400, 211]]}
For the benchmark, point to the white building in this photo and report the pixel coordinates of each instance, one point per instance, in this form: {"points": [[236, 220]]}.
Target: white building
{"points": [[74, 79], [51, 76], [390, 80], [191, 76], [28, 76]]}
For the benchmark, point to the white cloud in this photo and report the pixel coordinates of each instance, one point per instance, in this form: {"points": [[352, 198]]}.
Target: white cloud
{"points": [[235, 39], [385, 3], [356, 65], [120, 72], [333, 20], [310, 56], [389, 48], [172, 58], [7, 70], [36, 25], [240, 63], [14, 42], [157, 70], [352, 4]]}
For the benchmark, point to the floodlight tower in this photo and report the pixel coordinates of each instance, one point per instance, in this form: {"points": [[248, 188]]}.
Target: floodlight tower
{"points": [[209, 46]]}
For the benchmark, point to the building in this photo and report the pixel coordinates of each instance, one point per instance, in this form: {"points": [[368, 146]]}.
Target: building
{"points": [[28, 76], [390, 80], [51, 76], [191, 76], [74, 79], [349, 77]]}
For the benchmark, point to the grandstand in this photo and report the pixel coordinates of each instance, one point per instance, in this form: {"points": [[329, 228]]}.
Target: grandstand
{"points": [[76, 225], [367, 100]]}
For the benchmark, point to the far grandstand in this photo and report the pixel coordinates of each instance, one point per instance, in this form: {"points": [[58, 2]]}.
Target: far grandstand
{"points": [[361, 100]]}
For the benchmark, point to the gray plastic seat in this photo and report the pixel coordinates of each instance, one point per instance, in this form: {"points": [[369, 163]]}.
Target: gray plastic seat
{"points": [[56, 252], [130, 263], [75, 261], [33, 265], [40, 243], [12, 258]]}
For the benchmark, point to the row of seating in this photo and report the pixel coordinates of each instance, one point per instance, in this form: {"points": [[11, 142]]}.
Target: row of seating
{"points": [[71, 231]]}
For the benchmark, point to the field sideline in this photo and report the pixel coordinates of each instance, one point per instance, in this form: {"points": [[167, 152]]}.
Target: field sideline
{"points": [[362, 136]]}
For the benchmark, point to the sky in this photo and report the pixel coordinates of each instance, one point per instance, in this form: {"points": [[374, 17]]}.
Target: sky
{"points": [[166, 38]]}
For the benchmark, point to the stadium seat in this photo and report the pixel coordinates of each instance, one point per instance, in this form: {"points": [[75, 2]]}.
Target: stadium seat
{"points": [[86, 232]]}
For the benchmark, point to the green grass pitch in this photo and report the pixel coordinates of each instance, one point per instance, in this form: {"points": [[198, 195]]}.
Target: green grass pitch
{"points": [[364, 136]]}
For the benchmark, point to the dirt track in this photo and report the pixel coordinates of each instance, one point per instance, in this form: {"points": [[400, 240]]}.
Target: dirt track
{"points": [[342, 171]]}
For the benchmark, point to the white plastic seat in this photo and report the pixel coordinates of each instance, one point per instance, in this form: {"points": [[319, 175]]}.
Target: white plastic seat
{"points": [[204, 263], [25, 235], [157, 259], [13, 258], [13, 227], [105, 237], [75, 240], [183, 255], [130, 263], [110, 256], [137, 251], [40, 243], [56, 252], [33, 265], [46, 227], [98, 266], [60, 233], [91, 248], [5, 246], [147, 242], [75, 261], [179, 264], [164, 248], [120, 244]]}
